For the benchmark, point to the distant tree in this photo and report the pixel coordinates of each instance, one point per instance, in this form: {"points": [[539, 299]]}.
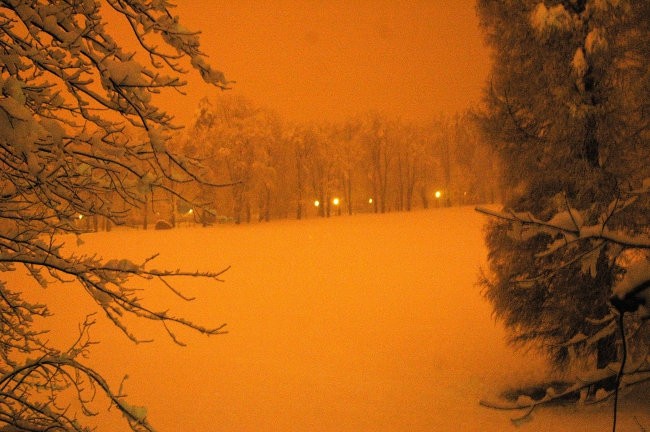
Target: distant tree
{"points": [[437, 161], [567, 111], [445, 143], [236, 150], [294, 137], [379, 155], [430, 168], [348, 155], [475, 161], [321, 164], [67, 88], [231, 136], [199, 143], [268, 158], [280, 167]]}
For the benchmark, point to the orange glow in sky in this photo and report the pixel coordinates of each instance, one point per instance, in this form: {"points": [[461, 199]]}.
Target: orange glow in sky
{"points": [[328, 60]]}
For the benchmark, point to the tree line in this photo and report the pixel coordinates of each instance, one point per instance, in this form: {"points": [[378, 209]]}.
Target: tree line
{"points": [[278, 169]]}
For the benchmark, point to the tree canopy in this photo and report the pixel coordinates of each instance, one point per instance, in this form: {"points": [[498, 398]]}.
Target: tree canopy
{"points": [[566, 109], [71, 97]]}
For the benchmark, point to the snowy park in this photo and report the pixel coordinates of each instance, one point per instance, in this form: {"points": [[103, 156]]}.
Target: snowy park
{"points": [[324, 216], [362, 323]]}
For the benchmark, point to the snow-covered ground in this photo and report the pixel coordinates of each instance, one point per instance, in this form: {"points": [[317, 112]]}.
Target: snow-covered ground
{"points": [[363, 323]]}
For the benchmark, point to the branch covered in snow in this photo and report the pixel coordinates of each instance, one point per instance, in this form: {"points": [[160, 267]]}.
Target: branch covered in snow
{"points": [[30, 388], [593, 388], [569, 227], [628, 251], [631, 291], [81, 138]]}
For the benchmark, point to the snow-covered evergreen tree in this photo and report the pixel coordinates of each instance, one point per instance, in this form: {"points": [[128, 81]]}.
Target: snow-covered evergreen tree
{"points": [[567, 109]]}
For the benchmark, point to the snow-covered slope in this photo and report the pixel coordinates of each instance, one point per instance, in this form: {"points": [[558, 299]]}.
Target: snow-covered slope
{"points": [[364, 323]]}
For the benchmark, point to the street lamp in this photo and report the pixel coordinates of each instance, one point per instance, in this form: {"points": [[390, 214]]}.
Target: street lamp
{"points": [[336, 202]]}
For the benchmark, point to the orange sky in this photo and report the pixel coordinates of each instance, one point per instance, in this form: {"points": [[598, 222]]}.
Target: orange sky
{"points": [[312, 60]]}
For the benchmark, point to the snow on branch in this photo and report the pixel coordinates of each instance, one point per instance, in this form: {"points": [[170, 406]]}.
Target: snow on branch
{"points": [[59, 373], [566, 224], [589, 389], [626, 251], [630, 292], [80, 138], [106, 282]]}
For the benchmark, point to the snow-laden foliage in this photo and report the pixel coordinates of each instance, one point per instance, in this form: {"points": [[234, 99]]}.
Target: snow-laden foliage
{"points": [[567, 110], [544, 19], [72, 100], [629, 253]]}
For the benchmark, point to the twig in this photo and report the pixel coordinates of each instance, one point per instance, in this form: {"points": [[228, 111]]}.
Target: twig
{"points": [[619, 375]]}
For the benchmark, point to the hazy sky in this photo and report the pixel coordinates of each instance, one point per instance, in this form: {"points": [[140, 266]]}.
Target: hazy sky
{"points": [[311, 60]]}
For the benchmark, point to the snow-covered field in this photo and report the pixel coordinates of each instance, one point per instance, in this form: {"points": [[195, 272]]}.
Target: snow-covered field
{"points": [[363, 323]]}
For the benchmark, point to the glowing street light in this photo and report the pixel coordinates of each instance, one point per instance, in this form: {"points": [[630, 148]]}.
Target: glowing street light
{"points": [[316, 203], [438, 194], [369, 200], [336, 202]]}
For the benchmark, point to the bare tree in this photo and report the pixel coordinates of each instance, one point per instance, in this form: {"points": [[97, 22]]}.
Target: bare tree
{"points": [[349, 158], [296, 138], [68, 89], [379, 156]]}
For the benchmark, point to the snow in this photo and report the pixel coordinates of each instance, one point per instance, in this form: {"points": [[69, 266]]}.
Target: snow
{"points": [[635, 281], [124, 72], [595, 41], [362, 323], [604, 5], [637, 273], [158, 138], [144, 183], [556, 17], [567, 220], [579, 63], [538, 17]]}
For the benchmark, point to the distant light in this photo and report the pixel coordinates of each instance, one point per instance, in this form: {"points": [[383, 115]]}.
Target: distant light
{"points": [[317, 203], [80, 216], [336, 201], [438, 194], [191, 211], [369, 200]]}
